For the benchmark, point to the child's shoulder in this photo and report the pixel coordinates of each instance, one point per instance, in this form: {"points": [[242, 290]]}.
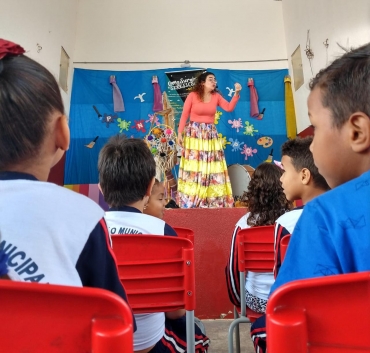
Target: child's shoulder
{"points": [[353, 192], [72, 202], [242, 223], [290, 217]]}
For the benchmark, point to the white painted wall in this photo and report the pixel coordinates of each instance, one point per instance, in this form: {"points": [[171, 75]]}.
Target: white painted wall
{"points": [[343, 21], [164, 33], [49, 23]]}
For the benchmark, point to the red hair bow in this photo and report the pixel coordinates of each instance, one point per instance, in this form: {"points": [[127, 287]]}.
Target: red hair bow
{"points": [[9, 48]]}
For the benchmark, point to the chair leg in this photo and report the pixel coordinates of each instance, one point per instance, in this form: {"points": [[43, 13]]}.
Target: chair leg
{"points": [[237, 332], [190, 332], [230, 336]]}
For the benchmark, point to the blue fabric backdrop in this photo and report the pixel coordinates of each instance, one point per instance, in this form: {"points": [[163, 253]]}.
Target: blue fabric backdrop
{"points": [[91, 88]]}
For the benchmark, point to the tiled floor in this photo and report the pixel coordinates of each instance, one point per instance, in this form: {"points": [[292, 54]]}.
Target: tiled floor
{"points": [[217, 331]]}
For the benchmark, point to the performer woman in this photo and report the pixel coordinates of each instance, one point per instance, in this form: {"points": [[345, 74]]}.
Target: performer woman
{"points": [[203, 177]]}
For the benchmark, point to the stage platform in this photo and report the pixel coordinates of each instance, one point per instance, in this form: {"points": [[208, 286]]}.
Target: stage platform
{"points": [[213, 230]]}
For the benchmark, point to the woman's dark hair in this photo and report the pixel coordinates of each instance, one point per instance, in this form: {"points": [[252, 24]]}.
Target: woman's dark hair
{"points": [[29, 94], [265, 198], [198, 88], [126, 168]]}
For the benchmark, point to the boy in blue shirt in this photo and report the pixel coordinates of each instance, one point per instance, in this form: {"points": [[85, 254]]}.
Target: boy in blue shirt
{"points": [[333, 234]]}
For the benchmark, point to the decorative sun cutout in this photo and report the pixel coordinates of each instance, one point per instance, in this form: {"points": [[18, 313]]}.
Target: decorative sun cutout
{"points": [[109, 119], [236, 145], [217, 117], [223, 141], [236, 124], [249, 129], [153, 119], [248, 152], [123, 124], [139, 125]]}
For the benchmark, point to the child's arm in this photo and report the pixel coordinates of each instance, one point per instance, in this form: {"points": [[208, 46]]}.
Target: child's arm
{"points": [[280, 233], [231, 271], [96, 264], [3, 265], [173, 315], [168, 230]]}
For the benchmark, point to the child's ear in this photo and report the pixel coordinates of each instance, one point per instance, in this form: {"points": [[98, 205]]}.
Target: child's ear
{"points": [[359, 127], [305, 176], [62, 133], [150, 187]]}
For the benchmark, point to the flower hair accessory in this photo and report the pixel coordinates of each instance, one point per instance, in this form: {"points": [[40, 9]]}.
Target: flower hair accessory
{"points": [[9, 48]]}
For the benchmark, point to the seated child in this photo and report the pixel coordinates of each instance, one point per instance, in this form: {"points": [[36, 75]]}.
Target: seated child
{"points": [[301, 181], [157, 202], [332, 236], [49, 233], [266, 202], [126, 176]]}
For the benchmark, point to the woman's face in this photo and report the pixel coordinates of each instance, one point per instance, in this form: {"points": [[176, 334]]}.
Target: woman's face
{"points": [[210, 83]]}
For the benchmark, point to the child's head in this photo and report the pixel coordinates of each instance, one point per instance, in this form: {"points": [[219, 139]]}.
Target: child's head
{"points": [[265, 198], [157, 202], [299, 168], [339, 111], [126, 171], [33, 128]]}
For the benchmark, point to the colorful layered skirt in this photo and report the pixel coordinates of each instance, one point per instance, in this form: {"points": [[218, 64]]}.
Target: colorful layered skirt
{"points": [[203, 178]]}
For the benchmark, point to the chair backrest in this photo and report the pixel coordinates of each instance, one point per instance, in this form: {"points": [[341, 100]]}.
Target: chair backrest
{"points": [[156, 271], [58, 319], [307, 315], [256, 249], [284, 246], [186, 233]]}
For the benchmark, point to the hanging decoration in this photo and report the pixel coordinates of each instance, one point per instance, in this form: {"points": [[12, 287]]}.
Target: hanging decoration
{"points": [[265, 141], [123, 125], [309, 51], [157, 104], [248, 152], [291, 123], [249, 129], [117, 96], [161, 140], [92, 143], [253, 99], [326, 45]]}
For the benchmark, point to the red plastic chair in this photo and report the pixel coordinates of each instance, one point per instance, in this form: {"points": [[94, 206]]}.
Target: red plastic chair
{"points": [[307, 315], [58, 319], [284, 246], [186, 233], [256, 254], [158, 275]]}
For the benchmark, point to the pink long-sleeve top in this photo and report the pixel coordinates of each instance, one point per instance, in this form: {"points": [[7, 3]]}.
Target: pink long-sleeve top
{"points": [[204, 112]]}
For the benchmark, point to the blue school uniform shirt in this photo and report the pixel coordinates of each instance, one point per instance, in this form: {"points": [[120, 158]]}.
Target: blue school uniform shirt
{"points": [[332, 235]]}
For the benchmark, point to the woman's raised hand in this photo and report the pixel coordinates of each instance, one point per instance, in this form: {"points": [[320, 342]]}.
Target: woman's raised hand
{"points": [[238, 87]]}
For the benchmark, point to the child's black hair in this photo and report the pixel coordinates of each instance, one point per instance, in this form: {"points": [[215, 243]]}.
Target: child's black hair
{"points": [[29, 94], [345, 85], [298, 150], [126, 168]]}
